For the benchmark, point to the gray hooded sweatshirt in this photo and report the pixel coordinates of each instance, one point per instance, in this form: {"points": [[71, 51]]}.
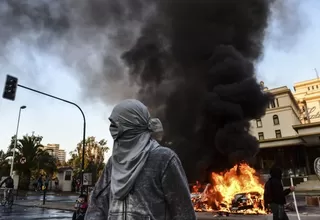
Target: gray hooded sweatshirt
{"points": [[148, 183]]}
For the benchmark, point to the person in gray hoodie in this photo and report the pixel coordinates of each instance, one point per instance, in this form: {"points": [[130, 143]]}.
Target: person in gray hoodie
{"points": [[142, 180]]}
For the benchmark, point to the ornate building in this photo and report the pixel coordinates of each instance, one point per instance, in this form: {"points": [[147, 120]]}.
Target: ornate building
{"points": [[289, 133]]}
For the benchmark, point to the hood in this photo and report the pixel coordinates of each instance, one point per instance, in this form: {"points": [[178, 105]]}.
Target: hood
{"points": [[276, 172]]}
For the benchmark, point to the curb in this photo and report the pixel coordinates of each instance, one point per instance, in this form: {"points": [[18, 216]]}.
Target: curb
{"points": [[45, 207]]}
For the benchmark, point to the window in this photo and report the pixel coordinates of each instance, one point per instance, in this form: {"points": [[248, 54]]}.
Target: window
{"points": [[68, 175], [273, 104], [259, 123], [317, 86], [276, 120], [278, 133], [261, 136], [308, 88], [277, 102], [312, 87]]}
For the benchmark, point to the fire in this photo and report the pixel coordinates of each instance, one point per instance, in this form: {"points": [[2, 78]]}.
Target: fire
{"points": [[238, 190]]}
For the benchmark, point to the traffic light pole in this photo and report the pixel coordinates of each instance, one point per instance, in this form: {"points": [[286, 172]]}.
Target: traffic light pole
{"points": [[84, 125]]}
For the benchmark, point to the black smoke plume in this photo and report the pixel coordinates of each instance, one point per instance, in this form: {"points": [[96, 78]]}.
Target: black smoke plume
{"points": [[197, 58], [193, 62]]}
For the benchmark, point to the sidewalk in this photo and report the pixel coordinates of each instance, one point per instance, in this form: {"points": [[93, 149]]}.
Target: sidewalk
{"points": [[34, 193], [308, 193], [65, 206]]}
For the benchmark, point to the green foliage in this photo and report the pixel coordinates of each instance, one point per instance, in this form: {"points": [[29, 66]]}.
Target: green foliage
{"points": [[37, 158], [94, 157], [4, 164]]}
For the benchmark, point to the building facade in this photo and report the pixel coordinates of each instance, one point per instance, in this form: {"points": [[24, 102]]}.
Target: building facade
{"points": [[60, 154], [289, 133], [307, 94]]}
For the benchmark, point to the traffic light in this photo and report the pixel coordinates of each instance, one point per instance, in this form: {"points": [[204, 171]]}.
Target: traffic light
{"points": [[10, 88]]}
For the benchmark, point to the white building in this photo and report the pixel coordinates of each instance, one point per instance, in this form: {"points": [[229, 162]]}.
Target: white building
{"points": [[289, 133], [275, 128]]}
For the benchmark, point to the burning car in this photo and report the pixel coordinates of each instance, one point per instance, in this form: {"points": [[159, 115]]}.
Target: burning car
{"points": [[243, 202], [237, 190]]}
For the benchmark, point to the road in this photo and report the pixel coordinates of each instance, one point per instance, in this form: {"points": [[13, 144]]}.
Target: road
{"points": [[207, 216], [52, 198], [21, 213]]}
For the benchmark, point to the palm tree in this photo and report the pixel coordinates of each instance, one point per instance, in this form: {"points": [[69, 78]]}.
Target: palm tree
{"points": [[4, 165], [3, 158], [37, 158]]}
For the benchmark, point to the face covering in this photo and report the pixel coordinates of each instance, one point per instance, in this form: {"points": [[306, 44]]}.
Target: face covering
{"points": [[131, 128], [114, 130]]}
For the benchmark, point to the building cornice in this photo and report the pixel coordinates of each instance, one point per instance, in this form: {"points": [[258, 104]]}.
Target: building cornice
{"points": [[280, 139], [309, 134], [308, 125], [281, 142], [311, 97], [306, 83]]}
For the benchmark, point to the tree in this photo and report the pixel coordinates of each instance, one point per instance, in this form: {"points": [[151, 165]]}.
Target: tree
{"points": [[3, 158], [94, 157], [37, 158], [4, 165]]}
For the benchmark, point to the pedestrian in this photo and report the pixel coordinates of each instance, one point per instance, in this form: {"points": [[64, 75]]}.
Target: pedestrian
{"points": [[73, 186], [275, 195], [9, 184], [78, 185], [46, 182], [40, 181], [142, 180], [80, 207], [56, 183], [35, 185]]}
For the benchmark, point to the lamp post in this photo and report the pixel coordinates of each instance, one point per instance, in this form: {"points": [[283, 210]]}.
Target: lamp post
{"points": [[16, 140]]}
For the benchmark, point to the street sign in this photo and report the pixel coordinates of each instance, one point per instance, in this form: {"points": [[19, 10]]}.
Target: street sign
{"points": [[23, 160], [87, 179]]}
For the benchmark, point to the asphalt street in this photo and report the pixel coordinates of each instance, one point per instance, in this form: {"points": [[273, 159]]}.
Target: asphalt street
{"points": [[49, 197], [20, 212]]}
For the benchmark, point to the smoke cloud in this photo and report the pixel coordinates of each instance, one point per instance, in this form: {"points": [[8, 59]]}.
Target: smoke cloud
{"points": [[192, 62]]}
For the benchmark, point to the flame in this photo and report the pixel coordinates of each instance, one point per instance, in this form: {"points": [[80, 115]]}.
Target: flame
{"points": [[237, 190]]}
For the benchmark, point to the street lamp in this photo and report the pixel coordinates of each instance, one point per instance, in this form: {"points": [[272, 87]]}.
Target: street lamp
{"points": [[15, 141]]}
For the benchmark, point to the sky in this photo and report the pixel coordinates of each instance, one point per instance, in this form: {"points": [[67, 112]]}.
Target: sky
{"points": [[287, 60]]}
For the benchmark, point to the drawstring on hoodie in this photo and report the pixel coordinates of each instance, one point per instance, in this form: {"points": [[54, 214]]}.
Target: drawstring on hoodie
{"points": [[124, 208]]}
